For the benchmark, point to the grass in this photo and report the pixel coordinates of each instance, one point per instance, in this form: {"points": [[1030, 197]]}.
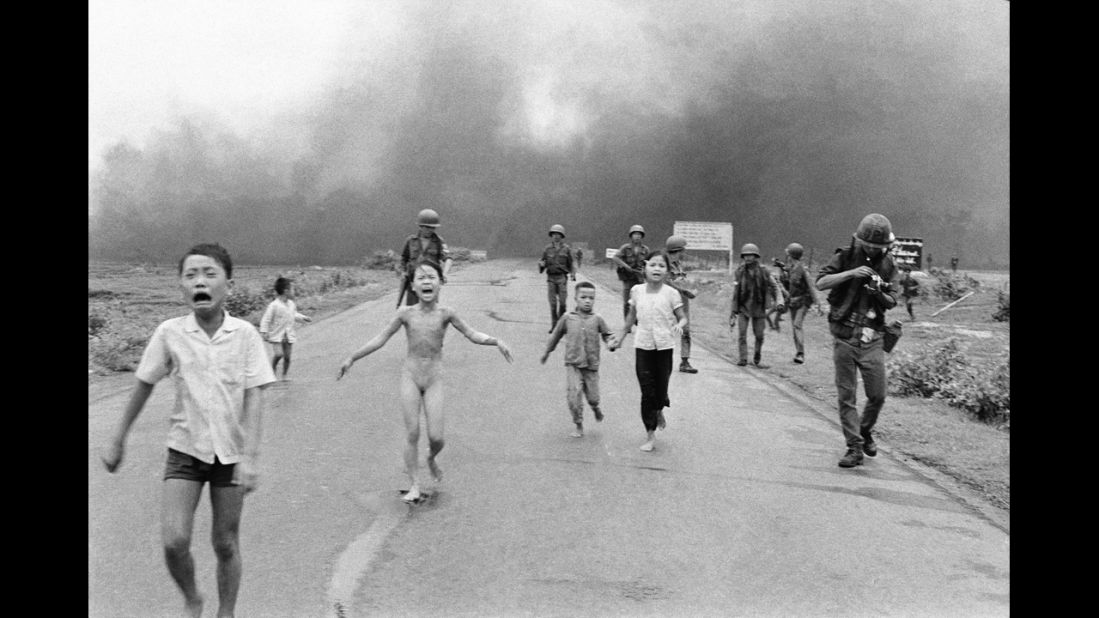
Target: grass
{"points": [[930, 431], [127, 301]]}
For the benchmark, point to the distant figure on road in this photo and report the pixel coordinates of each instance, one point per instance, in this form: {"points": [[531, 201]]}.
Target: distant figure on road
{"points": [[425, 246], [582, 330], [421, 375], [277, 325], [754, 292], [910, 290], [954, 263], [558, 265], [782, 283], [802, 296], [657, 310], [677, 278], [579, 257], [630, 262], [862, 280], [219, 367]]}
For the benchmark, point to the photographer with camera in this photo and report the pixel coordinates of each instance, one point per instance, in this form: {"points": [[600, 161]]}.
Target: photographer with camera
{"points": [[863, 287]]}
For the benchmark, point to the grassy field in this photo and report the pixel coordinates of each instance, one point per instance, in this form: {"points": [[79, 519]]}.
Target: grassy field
{"points": [[127, 301], [948, 439]]}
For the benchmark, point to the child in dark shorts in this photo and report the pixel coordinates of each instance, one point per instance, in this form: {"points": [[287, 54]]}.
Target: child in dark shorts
{"points": [[220, 368]]}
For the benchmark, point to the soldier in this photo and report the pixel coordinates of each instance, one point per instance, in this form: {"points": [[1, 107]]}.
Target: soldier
{"points": [[754, 292], [558, 264], [801, 296], [910, 289], [862, 280], [419, 248], [630, 260], [782, 279], [677, 278]]}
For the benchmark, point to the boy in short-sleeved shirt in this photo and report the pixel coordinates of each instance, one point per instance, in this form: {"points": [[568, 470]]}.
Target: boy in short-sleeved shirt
{"points": [[219, 367], [582, 330]]}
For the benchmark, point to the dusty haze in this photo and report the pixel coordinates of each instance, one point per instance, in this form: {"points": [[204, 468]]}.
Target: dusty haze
{"points": [[789, 119]]}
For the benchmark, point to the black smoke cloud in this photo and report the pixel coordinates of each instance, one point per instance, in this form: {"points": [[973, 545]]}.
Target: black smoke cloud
{"points": [[791, 123]]}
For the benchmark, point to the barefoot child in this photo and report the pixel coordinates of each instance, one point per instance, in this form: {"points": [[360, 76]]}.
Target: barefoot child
{"points": [[581, 330], [219, 368], [657, 310], [277, 324], [421, 375]]}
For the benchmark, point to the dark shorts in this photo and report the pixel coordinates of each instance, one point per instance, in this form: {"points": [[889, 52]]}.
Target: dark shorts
{"points": [[185, 467]]}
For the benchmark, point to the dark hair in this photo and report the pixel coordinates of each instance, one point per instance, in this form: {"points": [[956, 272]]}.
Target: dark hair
{"points": [[438, 269], [281, 284], [584, 284], [211, 250], [661, 253]]}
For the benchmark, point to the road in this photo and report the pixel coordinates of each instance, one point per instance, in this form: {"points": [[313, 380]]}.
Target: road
{"points": [[740, 511]]}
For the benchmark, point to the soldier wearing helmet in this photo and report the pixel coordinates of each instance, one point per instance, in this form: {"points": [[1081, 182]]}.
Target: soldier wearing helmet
{"points": [[425, 246], [677, 278], [559, 267], [630, 262], [755, 291], [863, 284], [802, 295]]}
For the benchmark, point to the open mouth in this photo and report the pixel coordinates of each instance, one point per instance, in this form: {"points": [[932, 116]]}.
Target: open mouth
{"points": [[201, 297]]}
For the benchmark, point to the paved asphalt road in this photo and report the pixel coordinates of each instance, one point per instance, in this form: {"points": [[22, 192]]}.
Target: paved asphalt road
{"points": [[740, 511]]}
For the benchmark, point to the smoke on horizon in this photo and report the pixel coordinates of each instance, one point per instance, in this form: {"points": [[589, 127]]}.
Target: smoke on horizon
{"points": [[791, 120]]}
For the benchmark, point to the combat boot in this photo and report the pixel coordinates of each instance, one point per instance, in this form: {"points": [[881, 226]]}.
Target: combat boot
{"points": [[685, 367], [851, 459]]}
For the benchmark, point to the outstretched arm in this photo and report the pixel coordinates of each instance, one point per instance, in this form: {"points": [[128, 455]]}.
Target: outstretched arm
{"points": [[371, 346], [478, 337], [558, 332], [112, 454]]}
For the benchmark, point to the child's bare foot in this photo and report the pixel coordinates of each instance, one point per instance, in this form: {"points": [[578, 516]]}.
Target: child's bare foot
{"points": [[598, 415], [647, 446], [436, 472], [412, 494], [194, 607], [579, 431]]}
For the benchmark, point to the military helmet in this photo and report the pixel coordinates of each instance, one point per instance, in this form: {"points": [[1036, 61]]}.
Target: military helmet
{"points": [[675, 243], [795, 250], [560, 229], [637, 228], [428, 217], [749, 249], [876, 231]]}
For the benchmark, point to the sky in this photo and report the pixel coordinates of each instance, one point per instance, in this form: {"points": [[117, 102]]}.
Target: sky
{"points": [[595, 114]]}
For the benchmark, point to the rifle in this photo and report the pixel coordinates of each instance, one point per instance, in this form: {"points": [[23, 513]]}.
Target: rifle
{"points": [[404, 290]]}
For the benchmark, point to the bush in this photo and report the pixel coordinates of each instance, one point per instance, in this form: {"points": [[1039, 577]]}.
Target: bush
{"points": [[1003, 301], [944, 372], [952, 286], [381, 260], [242, 301]]}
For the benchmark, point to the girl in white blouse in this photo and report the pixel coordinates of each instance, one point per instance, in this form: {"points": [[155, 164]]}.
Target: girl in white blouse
{"points": [[657, 310]]}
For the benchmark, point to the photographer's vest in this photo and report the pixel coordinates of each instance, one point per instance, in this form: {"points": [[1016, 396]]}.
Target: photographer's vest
{"points": [[850, 301]]}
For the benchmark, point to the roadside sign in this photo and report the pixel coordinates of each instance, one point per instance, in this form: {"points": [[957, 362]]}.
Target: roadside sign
{"points": [[707, 236], [478, 254]]}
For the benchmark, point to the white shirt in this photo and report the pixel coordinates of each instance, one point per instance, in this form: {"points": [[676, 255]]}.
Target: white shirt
{"points": [[277, 323], [655, 316], [210, 375]]}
